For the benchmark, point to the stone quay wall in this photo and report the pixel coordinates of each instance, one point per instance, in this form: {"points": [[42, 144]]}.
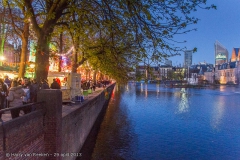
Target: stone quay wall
{"points": [[50, 133]]}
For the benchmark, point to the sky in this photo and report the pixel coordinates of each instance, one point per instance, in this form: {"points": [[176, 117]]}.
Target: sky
{"points": [[222, 25]]}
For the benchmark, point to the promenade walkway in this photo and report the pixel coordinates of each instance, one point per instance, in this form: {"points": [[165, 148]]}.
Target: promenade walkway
{"points": [[66, 108]]}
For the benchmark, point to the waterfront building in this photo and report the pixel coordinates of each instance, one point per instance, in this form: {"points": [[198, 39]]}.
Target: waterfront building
{"points": [[164, 71], [221, 53], [160, 72], [188, 58], [197, 72], [179, 72], [226, 73], [235, 54]]}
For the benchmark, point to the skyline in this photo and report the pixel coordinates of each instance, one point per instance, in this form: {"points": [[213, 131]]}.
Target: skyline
{"points": [[214, 25]]}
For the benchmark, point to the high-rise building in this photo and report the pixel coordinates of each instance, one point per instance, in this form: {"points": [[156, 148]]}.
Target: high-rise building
{"points": [[221, 53], [168, 62], [188, 58]]}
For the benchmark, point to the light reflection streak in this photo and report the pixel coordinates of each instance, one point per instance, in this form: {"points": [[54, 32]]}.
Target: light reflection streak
{"points": [[146, 90], [218, 113], [158, 89], [183, 106]]}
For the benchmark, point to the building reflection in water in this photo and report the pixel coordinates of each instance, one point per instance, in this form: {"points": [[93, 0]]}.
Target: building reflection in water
{"points": [[183, 106], [141, 87], [127, 87], [157, 89], [218, 112], [146, 90]]}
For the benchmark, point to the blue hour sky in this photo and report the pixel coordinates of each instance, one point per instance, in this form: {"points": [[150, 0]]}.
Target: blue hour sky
{"points": [[222, 24]]}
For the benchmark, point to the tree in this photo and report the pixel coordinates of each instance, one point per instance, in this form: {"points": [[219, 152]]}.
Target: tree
{"points": [[20, 26], [147, 24], [3, 29]]}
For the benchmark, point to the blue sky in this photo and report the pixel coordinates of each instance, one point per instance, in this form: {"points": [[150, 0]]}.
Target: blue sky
{"points": [[222, 24]]}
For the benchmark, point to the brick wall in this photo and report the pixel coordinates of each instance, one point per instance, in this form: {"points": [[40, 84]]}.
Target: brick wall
{"points": [[23, 135], [77, 125], [50, 136]]}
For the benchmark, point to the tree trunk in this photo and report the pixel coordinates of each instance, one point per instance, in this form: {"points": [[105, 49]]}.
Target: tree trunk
{"points": [[2, 39], [94, 76], [42, 58], [75, 57], [24, 52], [74, 61]]}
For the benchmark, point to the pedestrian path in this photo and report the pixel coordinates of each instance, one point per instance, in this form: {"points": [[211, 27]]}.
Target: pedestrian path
{"points": [[70, 107]]}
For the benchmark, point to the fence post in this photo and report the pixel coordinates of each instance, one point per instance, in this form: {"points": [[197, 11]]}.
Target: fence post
{"points": [[52, 121]]}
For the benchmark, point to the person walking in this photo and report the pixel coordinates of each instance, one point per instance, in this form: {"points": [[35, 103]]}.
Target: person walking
{"points": [[55, 85], [15, 97]]}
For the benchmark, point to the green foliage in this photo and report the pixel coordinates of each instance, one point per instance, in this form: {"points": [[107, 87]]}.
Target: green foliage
{"points": [[113, 35]]}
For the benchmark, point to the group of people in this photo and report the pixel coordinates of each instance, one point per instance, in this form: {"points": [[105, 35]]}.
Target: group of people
{"points": [[23, 91]]}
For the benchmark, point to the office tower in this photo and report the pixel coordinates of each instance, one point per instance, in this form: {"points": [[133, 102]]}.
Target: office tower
{"points": [[188, 58], [221, 53], [168, 62]]}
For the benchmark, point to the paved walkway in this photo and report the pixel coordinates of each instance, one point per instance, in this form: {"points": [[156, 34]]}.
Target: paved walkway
{"points": [[66, 109], [70, 107]]}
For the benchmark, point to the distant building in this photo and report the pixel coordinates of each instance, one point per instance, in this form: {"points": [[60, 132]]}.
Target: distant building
{"points": [[235, 54], [188, 58], [168, 62], [198, 72], [228, 72], [221, 53]]}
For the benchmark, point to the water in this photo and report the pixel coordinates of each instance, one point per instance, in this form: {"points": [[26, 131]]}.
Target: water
{"points": [[150, 122]]}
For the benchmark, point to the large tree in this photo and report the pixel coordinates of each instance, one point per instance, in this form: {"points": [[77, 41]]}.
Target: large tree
{"points": [[146, 24], [20, 26]]}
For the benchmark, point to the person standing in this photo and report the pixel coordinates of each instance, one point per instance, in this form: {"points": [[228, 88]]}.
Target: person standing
{"points": [[44, 84], [35, 88], [55, 85], [28, 89], [15, 97], [7, 81], [3, 93]]}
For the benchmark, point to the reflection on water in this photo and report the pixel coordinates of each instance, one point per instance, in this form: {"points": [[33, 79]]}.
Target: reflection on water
{"points": [[149, 121], [183, 104], [218, 112], [146, 90]]}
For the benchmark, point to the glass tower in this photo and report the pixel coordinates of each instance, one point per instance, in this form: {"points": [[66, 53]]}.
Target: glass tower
{"points": [[188, 58], [221, 53]]}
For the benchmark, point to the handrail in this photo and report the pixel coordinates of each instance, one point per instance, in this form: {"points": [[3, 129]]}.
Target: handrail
{"points": [[20, 107], [12, 108]]}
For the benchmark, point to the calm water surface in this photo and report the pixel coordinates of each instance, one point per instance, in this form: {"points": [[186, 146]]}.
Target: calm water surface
{"points": [[150, 122]]}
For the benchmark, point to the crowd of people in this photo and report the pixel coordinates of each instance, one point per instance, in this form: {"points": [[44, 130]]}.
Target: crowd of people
{"points": [[85, 85], [17, 92]]}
